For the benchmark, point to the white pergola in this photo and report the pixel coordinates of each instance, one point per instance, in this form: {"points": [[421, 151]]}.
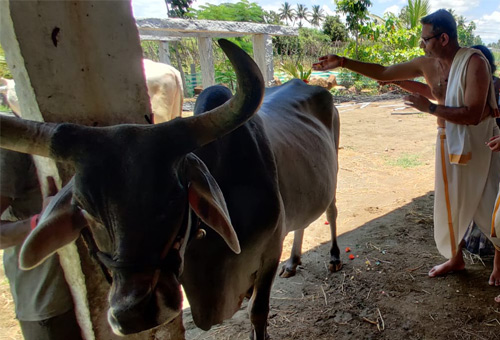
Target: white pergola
{"points": [[165, 30]]}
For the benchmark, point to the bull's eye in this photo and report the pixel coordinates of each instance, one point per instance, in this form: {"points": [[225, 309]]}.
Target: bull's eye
{"points": [[200, 234]]}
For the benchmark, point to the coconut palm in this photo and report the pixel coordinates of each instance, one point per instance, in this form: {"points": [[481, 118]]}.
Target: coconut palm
{"points": [[302, 14], [317, 16], [415, 10], [272, 17], [286, 12], [411, 15]]}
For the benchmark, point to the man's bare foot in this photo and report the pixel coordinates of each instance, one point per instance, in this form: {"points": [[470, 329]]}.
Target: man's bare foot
{"points": [[494, 278], [452, 265], [495, 274], [497, 299]]}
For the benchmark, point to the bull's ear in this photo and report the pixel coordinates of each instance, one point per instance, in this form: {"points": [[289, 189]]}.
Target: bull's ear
{"points": [[207, 201], [59, 225]]}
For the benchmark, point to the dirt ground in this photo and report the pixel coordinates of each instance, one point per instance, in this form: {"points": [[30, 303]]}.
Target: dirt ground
{"points": [[385, 200]]}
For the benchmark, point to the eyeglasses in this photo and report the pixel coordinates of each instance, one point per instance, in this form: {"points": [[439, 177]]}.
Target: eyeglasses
{"points": [[426, 40]]}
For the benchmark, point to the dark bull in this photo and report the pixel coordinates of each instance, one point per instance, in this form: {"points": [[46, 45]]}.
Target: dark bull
{"points": [[240, 178]]}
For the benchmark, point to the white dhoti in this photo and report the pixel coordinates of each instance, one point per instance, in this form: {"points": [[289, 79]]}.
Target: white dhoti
{"points": [[465, 193], [467, 172], [495, 223]]}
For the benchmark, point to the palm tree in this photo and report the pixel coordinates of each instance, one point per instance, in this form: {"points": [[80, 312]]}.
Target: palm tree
{"points": [[286, 12], [272, 17], [415, 10], [411, 15], [302, 13], [317, 15]]}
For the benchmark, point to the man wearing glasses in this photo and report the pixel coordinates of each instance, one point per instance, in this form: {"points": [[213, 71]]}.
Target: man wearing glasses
{"points": [[467, 172]]}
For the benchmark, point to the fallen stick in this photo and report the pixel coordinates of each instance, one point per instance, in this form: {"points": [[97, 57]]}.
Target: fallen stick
{"points": [[380, 328], [324, 294], [413, 269]]}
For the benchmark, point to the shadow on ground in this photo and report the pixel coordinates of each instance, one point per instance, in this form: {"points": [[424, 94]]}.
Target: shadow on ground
{"points": [[383, 293]]}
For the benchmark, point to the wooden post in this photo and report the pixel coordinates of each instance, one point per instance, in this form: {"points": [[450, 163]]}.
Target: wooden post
{"points": [[263, 55], [206, 62]]}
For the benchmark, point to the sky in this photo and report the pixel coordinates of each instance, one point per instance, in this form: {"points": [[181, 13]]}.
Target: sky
{"points": [[485, 13]]}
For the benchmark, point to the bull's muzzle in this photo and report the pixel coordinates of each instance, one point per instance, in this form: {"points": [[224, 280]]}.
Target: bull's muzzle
{"points": [[143, 316], [132, 312]]}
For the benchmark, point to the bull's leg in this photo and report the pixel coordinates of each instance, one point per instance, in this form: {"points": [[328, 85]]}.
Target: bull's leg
{"points": [[259, 303], [331, 215], [289, 269]]}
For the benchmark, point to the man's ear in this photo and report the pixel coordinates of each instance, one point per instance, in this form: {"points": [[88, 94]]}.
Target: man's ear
{"points": [[445, 39], [60, 224], [207, 201]]}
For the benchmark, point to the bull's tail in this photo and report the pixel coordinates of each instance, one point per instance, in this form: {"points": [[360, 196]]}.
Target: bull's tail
{"points": [[336, 128]]}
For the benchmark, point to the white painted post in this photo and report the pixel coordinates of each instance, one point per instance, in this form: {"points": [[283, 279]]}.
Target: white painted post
{"points": [[263, 55], [164, 53], [206, 62], [79, 62]]}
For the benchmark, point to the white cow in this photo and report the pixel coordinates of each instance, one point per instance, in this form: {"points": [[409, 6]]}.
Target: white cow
{"points": [[164, 88], [7, 88]]}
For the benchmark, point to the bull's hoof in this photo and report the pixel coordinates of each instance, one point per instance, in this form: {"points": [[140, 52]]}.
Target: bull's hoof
{"points": [[335, 266], [252, 336], [287, 272]]}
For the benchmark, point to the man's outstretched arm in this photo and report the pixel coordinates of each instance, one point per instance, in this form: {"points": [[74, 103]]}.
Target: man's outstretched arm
{"points": [[403, 71]]}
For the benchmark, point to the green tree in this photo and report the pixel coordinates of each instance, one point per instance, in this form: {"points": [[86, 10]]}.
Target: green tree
{"points": [[313, 42], [302, 14], [494, 45], [286, 12], [272, 18], [241, 11], [411, 15], [413, 11], [304, 49], [317, 15], [356, 12], [386, 42], [465, 33], [4, 69], [178, 8], [334, 28]]}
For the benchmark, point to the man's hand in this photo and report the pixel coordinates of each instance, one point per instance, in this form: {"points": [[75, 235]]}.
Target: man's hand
{"points": [[328, 62], [417, 101], [494, 143], [14, 233], [51, 192]]}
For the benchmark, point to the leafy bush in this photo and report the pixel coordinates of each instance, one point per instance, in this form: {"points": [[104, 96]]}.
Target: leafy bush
{"points": [[4, 69], [386, 43], [296, 71], [224, 74]]}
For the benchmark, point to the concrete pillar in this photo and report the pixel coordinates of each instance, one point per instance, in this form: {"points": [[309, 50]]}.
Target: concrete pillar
{"points": [[80, 62], [164, 53], [263, 55], [82, 58], [207, 62]]}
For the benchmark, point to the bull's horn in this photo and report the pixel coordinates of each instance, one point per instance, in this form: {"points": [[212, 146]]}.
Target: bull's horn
{"points": [[26, 136], [249, 94]]}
